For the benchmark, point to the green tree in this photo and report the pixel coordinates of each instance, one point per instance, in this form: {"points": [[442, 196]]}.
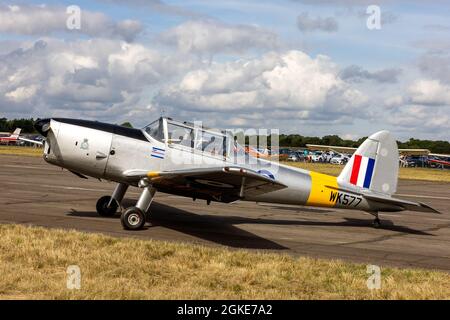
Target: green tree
{"points": [[127, 124]]}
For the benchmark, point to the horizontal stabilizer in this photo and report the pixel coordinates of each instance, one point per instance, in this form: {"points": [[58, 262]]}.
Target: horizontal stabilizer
{"points": [[407, 205]]}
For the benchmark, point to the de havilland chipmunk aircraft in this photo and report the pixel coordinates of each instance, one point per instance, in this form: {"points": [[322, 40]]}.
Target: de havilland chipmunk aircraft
{"points": [[170, 156]]}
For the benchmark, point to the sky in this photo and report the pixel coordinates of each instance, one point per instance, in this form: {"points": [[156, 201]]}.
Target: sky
{"points": [[312, 67]]}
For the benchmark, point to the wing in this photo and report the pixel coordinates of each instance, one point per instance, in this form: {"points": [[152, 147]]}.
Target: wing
{"points": [[225, 184], [31, 141]]}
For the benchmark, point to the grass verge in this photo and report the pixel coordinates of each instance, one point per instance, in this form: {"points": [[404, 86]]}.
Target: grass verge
{"points": [[33, 264], [426, 174], [21, 151]]}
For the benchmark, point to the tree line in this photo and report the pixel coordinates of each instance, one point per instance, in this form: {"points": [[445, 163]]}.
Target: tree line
{"points": [[290, 140], [10, 125], [295, 140]]}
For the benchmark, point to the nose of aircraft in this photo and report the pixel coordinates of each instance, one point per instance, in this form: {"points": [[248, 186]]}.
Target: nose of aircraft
{"points": [[42, 126]]}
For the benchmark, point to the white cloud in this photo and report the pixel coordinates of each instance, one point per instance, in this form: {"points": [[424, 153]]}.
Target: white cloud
{"points": [[430, 92], [394, 101], [357, 74], [22, 93], [416, 118], [43, 20], [209, 36], [95, 74], [305, 87], [97, 77], [158, 6], [307, 23]]}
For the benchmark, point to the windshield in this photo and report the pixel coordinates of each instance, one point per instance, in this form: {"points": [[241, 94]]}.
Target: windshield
{"points": [[155, 129], [211, 142], [194, 137]]}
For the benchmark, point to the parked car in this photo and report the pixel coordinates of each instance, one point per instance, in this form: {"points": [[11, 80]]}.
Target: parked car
{"points": [[327, 156], [416, 161], [296, 156], [339, 159], [317, 156]]}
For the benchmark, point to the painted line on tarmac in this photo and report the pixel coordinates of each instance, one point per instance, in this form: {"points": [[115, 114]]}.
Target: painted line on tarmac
{"points": [[72, 188], [76, 188], [27, 167], [57, 186]]}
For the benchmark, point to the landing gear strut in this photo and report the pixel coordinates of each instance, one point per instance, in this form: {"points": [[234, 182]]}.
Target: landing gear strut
{"points": [[134, 217], [376, 222], [107, 206]]}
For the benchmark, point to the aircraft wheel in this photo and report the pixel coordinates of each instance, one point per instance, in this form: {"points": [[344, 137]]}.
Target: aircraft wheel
{"points": [[376, 223], [103, 209], [132, 219]]}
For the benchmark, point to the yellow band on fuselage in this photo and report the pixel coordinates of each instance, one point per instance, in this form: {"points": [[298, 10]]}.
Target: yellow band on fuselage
{"points": [[320, 193], [152, 174]]}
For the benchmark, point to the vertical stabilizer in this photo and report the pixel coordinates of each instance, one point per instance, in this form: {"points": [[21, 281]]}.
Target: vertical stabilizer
{"points": [[374, 165], [16, 133]]}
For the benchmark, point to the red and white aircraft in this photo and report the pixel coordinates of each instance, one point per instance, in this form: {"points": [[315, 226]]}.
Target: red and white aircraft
{"points": [[12, 138], [442, 160]]}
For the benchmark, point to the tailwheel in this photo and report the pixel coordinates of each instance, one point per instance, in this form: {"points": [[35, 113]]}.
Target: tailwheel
{"points": [[132, 219], [376, 222], [104, 208]]}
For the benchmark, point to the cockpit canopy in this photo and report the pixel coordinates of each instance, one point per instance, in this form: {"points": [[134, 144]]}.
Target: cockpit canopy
{"points": [[194, 137]]}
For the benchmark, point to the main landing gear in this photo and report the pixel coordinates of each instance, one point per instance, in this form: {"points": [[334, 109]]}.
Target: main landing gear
{"points": [[133, 218], [376, 222], [107, 206]]}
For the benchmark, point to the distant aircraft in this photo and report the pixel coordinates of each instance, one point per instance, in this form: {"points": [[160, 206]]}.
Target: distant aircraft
{"points": [[442, 160], [13, 138], [201, 163]]}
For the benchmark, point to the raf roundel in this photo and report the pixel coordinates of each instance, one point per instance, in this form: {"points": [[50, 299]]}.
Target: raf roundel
{"points": [[267, 173]]}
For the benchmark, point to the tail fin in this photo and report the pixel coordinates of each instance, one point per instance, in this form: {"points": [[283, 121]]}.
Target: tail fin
{"points": [[16, 133], [374, 165]]}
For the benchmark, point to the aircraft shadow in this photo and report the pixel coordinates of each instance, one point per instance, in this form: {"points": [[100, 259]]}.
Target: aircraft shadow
{"points": [[222, 230], [168, 216], [301, 209], [209, 228]]}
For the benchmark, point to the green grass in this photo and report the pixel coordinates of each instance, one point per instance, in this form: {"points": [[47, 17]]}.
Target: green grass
{"points": [[33, 264]]}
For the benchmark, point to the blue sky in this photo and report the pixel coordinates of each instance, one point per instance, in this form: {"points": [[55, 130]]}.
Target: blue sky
{"points": [[309, 67]]}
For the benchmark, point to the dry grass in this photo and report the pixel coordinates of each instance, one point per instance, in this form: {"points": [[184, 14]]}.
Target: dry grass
{"points": [[33, 263], [405, 173], [21, 151]]}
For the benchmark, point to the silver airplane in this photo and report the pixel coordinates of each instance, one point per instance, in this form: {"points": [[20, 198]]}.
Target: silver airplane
{"points": [[184, 159]]}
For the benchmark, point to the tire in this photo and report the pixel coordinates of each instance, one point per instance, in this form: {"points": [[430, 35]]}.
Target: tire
{"points": [[132, 219], [103, 209], [376, 223]]}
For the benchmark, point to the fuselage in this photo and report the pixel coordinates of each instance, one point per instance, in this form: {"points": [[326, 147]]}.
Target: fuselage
{"points": [[8, 140], [106, 151]]}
